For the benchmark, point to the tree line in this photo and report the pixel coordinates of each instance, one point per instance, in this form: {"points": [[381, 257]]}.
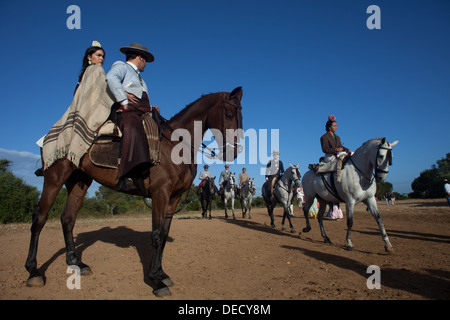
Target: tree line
{"points": [[18, 200]]}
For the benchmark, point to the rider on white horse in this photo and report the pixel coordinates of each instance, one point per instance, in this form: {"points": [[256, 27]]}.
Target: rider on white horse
{"points": [[334, 151], [225, 175]]}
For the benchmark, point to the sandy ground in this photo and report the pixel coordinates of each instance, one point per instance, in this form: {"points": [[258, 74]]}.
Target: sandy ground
{"points": [[242, 259]]}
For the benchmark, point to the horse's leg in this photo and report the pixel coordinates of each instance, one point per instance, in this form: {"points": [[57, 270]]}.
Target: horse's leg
{"points": [[203, 202], [372, 204], [54, 178], [232, 206], [306, 207], [349, 208], [225, 204], [162, 214], [209, 206], [288, 216], [249, 209], [272, 220], [77, 186], [323, 206]]}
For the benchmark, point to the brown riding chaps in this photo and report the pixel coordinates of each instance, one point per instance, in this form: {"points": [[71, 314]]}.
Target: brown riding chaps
{"points": [[135, 159]]}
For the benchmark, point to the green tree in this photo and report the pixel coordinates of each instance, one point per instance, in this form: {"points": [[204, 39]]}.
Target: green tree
{"points": [[118, 202], [429, 184], [382, 188], [17, 199]]}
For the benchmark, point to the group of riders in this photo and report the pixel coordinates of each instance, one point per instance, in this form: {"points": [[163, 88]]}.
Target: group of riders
{"points": [[130, 94], [334, 151], [274, 170]]}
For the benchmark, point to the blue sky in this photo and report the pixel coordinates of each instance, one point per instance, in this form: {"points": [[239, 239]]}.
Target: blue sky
{"points": [[297, 61]]}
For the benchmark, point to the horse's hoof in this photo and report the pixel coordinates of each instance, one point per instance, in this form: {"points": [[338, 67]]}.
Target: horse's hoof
{"points": [[86, 271], [306, 230], [272, 225], [283, 228], [293, 230], [389, 249], [327, 240], [168, 282], [163, 292], [350, 248], [36, 282]]}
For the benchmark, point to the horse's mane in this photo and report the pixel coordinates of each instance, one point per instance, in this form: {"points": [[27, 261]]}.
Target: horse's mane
{"points": [[367, 142], [185, 109]]}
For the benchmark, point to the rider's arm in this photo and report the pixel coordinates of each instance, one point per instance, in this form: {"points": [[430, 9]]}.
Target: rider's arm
{"points": [[114, 78]]}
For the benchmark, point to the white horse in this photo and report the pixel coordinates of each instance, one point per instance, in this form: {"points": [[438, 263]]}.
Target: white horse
{"points": [[358, 184], [246, 197], [228, 194], [282, 193]]}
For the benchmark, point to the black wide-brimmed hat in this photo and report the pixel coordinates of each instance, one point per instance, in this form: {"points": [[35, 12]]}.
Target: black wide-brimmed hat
{"points": [[139, 49]]}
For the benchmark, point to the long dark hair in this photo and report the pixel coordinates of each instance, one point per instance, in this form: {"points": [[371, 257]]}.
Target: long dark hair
{"points": [[89, 51]]}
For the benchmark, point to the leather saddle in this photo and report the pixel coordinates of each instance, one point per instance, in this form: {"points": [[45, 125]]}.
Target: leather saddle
{"points": [[106, 149]]}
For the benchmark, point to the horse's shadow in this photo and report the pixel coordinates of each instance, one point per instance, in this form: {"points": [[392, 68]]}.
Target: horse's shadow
{"points": [[411, 235], [249, 224], [122, 237], [430, 284]]}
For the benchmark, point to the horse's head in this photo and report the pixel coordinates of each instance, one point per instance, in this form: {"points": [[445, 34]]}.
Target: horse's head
{"points": [[225, 121], [231, 182], [251, 186], [212, 186], [383, 159], [294, 174]]}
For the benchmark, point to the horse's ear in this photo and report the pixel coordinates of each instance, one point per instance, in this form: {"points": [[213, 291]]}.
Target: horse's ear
{"points": [[297, 165], [383, 140], [394, 143], [236, 93]]}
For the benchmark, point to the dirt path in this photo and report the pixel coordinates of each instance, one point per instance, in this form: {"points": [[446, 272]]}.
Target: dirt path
{"points": [[243, 259]]}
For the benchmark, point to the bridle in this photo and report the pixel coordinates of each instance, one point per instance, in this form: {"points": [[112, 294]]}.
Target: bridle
{"points": [[377, 167], [226, 144], [388, 156], [292, 179]]}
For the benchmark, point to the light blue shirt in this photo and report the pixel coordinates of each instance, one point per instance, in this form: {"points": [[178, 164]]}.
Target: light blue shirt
{"points": [[124, 77]]}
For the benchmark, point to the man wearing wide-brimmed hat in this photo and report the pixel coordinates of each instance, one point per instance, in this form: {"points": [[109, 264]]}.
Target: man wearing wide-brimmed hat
{"points": [[274, 169], [130, 90], [204, 175]]}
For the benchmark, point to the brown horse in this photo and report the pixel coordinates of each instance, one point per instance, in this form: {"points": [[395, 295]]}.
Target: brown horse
{"points": [[207, 195], [165, 184]]}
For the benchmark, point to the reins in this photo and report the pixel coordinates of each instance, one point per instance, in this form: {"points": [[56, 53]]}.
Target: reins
{"points": [[212, 153]]}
